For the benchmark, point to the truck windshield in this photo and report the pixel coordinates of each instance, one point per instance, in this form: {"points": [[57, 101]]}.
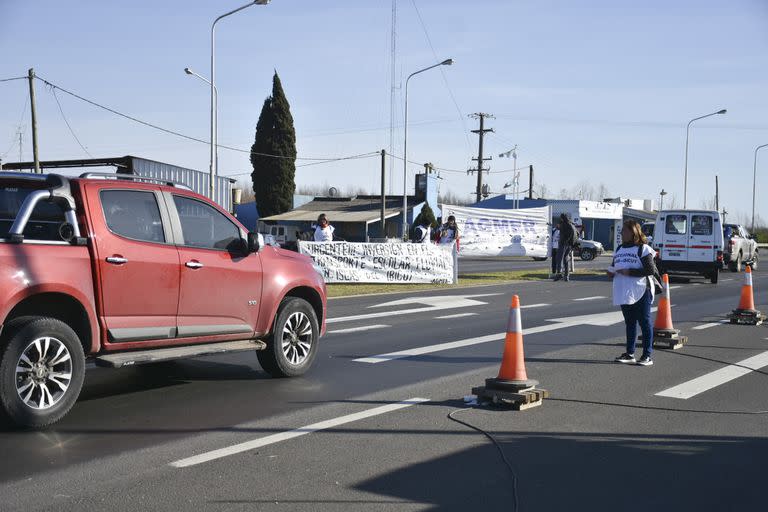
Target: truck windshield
{"points": [[44, 223]]}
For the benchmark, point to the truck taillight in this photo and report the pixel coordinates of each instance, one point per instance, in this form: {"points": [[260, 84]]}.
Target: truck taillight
{"points": [[720, 255]]}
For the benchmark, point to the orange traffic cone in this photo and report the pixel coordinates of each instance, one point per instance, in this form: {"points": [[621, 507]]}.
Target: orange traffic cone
{"points": [[747, 300], [664, 333], [746, 312], [664, 313], [512, 386], [513, 361]]}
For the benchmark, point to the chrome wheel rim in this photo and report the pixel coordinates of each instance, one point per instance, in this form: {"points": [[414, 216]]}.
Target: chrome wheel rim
{"points": [[43, 373], [297, 338]]}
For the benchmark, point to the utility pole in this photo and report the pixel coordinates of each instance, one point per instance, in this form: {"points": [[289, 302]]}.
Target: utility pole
{"points": [[530, 181], [383, 196], [717, 194], [481, 133], [31, 77]]}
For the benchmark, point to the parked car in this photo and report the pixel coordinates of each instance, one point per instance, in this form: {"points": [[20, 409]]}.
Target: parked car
{"points": [[133, 270], [689, 242], [739, 248], [588, 250]]}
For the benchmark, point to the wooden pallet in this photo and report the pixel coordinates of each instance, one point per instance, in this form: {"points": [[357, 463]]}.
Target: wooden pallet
{"points": [[746, 318], [519, 401], [670, 340]]}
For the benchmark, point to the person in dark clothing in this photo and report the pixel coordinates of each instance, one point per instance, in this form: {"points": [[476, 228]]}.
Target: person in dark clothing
{"points": [[555, 243], [565, 247], [633, 271]]}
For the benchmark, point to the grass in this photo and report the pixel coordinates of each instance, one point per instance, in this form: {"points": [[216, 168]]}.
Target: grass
{"points": [[465, 280]]}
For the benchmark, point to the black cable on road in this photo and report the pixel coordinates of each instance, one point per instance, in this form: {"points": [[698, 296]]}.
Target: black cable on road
{"points": [[498, 447]]}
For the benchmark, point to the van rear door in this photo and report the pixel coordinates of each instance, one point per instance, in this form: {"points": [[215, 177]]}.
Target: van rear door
{"points": [[675, 237], [701, 242]]}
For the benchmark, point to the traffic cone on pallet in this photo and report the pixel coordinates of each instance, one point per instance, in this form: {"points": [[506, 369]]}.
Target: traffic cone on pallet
{"points": [[512, 386], [746, 313], [664, 333]]}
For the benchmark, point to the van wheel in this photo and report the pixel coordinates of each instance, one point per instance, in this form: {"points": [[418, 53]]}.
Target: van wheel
{"points": [[42, 367], [713, 276], [735, 266], [292, 346], [587, 255]]}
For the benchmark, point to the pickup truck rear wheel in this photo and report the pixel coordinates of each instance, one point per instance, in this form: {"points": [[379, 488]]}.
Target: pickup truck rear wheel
{"points": [[754, 261], [42, 367], [292, 346], [587, 254]]}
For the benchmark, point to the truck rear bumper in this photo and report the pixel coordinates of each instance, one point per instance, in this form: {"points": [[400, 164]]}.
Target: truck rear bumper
{"points": [[690, 267]]}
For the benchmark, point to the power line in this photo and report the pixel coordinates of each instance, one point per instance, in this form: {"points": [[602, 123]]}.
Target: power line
{"points": [[64, 117], [465, 130], [14, 78], [353, 157], [172, 132]]}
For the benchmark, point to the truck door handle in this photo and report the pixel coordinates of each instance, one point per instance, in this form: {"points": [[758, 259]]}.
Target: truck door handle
{"points": [[117, 260], [194, 264]]}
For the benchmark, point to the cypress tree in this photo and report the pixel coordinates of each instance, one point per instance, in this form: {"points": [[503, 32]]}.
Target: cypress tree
{"points": [[273, 178], [426, 217]]}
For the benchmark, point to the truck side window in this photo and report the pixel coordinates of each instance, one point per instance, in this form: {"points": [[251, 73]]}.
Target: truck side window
{"points": [[676, 224], [204, 226], [133, 214], [44, 223], [701, 225]]}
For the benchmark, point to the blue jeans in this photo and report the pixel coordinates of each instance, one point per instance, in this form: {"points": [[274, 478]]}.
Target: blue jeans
{"points": [[639, 312]]}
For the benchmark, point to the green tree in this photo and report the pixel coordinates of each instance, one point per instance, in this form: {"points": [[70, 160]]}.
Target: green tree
{"points": [[426, 217], [273, 154]]}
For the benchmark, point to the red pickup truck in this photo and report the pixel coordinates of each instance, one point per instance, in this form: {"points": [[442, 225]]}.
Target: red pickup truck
{"points": [[129, 270]]}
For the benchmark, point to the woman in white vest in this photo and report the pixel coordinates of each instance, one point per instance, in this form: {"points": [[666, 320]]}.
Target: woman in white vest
{"points": [[633, 272], [323, 230]]}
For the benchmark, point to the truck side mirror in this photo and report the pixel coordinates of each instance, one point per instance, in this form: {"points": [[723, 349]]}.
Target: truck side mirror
{"points": [[255, 242]]}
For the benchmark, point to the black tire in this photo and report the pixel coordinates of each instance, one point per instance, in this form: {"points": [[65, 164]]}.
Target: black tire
{"points": [[735, 265], [587, 254], [293, 315], [713, 276], [540, 258], [19, 340], [754, 261]]}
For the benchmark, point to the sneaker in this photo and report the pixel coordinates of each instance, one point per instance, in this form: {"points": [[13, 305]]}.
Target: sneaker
{"points": [[566, 279], [645, 361], [558, 277], [626, 358]]}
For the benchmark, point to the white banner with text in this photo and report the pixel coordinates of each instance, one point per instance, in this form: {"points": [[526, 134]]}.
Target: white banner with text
{"points": [[350, 262], [487, 232]]}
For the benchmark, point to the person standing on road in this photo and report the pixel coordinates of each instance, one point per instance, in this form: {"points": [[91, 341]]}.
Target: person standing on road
{"points": [[633, 272], [555, 241], [323, 230], [564, 248]]}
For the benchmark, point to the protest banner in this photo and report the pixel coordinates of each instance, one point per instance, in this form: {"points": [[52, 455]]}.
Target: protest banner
{"points": [[487, 232], [349, 262]]}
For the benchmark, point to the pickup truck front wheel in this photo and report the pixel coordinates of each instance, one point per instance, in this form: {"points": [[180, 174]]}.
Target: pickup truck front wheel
{"points": [[42, 367], [292, 347]]}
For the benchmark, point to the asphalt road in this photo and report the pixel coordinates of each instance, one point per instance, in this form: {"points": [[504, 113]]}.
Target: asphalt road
{"points": [[332, 440]]}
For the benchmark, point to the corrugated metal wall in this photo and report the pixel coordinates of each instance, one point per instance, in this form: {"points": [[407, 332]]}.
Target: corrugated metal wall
{"points": [[196, 180]]}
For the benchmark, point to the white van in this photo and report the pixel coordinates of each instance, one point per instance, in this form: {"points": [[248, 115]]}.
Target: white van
{"points": [[689, 242]]}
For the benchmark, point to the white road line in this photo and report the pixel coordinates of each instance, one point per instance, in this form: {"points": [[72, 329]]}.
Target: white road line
{"points": [[291, 434], [384, 314], [458, 315], [716, 378], [729, 279], [707, 326], [599, 319], [359, 329], [596, 297], [674, 287]]}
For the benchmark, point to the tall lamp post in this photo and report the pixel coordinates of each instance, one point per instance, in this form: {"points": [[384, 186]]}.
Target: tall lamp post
{"points": [[446, 62], [661, 196], [754, 186], [687, 133], [214, 97]]}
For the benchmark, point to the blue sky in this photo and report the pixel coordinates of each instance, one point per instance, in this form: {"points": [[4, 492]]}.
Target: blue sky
{"points": [[591, 91]]}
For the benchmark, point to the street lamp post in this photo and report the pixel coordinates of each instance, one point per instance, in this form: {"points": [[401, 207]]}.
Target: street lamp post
{"points": [[661, 201], [446, 62], [754, 187], [214, 97], [687, 132], [216, 93]]}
